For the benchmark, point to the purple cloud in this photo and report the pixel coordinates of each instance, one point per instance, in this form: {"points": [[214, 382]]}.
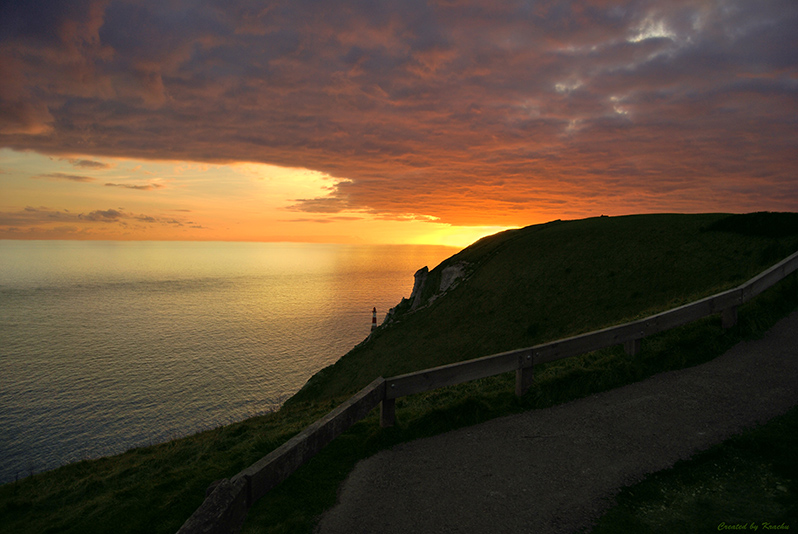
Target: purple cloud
{"points": [[102, 215], [144, 187], [64, 176], [50, 223], [89, 164]]}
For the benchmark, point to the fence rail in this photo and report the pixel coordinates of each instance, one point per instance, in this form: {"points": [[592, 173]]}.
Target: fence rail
{"points": [[227, 501]]}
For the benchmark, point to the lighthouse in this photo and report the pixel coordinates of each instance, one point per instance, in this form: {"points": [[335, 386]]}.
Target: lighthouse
{"points": [[374, 318]]}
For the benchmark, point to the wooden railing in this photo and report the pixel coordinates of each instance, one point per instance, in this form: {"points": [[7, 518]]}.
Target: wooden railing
{"points": [[227, 501]]}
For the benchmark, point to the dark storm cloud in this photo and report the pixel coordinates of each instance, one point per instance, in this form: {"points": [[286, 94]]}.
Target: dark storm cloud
{"points": [[472, 112]]}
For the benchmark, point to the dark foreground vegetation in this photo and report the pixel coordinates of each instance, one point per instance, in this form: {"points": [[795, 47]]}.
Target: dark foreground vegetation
{"points": [[747, 480], [521, 288]]}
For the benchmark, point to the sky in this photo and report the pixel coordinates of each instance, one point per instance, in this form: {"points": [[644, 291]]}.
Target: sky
{"points": [[388, 122]]}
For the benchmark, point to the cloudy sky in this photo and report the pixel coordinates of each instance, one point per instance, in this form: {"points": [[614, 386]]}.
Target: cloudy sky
{"points": [[411, 121]]}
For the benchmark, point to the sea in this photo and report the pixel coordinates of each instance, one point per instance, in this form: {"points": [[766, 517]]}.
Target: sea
{"points": [[108, 346]]}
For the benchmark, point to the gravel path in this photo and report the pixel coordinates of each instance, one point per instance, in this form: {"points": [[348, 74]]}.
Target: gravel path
{"points": [[556, 470]]}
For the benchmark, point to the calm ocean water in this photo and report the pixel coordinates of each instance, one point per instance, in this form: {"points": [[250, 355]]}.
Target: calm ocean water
{"points": [[105, 346]]}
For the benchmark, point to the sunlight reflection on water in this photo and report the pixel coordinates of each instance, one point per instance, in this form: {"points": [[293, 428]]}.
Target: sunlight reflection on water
{"points": [[106, 346]]}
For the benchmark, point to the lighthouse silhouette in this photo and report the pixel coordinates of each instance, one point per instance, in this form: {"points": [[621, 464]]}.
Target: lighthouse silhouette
{"points": [[374, 318]]}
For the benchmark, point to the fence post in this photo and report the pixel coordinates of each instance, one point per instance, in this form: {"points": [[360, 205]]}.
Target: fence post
{"points": [[525, 374], [224, 510], [387, 412], [632, 347], [729, 317]]}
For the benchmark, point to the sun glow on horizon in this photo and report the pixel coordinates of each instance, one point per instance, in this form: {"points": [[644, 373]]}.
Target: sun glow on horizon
{"points": [[458, 236], [89, 197]]}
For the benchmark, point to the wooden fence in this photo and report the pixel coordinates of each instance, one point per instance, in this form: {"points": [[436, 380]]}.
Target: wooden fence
{"points": [[227, 501]]}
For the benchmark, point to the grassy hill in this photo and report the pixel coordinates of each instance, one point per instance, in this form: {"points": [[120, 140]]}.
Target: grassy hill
{"points": [[517, 288], [545, 282]]}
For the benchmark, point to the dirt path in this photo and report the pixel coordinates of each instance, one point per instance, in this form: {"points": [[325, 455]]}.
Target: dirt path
{"points": [[556, 470]]}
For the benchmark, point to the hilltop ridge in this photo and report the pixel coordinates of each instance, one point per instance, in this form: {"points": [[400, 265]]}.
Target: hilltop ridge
{"points": [[540, 283]]}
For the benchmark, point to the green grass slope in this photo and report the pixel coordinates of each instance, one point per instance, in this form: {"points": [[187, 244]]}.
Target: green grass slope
{"points": [[545, 282]]}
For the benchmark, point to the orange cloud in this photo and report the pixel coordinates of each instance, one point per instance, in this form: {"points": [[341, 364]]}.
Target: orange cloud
{"points": [[467, 113]]}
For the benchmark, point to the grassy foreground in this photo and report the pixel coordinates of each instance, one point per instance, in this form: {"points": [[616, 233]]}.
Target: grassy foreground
{"points": [[523, 287], [749, 482]]}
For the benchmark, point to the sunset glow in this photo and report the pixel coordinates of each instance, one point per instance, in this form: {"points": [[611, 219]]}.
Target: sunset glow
{"points": [[412, 122]]}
